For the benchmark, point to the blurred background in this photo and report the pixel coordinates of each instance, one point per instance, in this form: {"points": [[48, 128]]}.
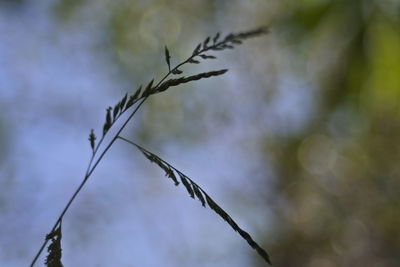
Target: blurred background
{"points": [[299, 142]]}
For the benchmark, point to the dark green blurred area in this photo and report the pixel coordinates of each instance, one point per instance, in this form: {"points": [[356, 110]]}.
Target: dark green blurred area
{"points": [[335, 186], [339, 197], [338, 181]]}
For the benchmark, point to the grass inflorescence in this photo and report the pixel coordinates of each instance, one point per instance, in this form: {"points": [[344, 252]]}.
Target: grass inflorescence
{"points": [[132, 102]]}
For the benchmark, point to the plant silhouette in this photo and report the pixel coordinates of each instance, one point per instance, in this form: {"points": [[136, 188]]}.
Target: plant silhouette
{"points": [[132, 102]]}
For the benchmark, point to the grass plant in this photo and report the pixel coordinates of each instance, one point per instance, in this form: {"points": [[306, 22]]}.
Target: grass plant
{"points": [[131, 102]]}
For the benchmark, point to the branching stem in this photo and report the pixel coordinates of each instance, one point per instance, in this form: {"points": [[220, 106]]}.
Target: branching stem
{"points": [[93, 162], [91, 168]]}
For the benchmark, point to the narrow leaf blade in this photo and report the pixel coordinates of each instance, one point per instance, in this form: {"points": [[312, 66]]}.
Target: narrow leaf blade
{"points": [[123, 101], [198, 194], [167, 58], [148, 89], [176, 71], [186, 184]]}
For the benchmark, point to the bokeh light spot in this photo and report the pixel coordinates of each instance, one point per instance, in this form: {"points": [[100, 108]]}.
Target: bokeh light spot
{"points": [[159, 26], [317, 154]]}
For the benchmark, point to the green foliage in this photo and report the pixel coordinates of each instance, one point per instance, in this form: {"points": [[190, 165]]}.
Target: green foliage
{"points": [[337, 179]]}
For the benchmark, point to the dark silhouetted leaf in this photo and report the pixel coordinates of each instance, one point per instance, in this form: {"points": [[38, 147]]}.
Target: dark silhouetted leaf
{"points": [[169, 172], [193, 61], [171, 175], [165, 85], [123, 101], [206, 42], [92, 138], [186, 184], [105, 128], [254, 245], [228, 46], [167, 58], [236, 41], [148, 90], [176, 71], [174, 82], [108, 116], [214, 206], [199, 195], [195, 190], [206, 75], [215, 39], [207, 56], [108, 121], [130, 102], [137, 93], [250, 34], [196, 50], [116, 110], [54, 255], [229, 37], [133, 98]]}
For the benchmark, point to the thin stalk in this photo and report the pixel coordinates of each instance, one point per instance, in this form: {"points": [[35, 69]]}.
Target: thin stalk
{"points": [[87, 175], [200, 195], [91, 168]]}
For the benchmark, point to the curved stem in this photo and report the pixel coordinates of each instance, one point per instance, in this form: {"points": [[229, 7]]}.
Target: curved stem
{"points": [[91, 168], [87, 175]]}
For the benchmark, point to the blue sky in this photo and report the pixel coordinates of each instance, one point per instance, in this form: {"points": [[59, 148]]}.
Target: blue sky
{"points": [[55, 86]]}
